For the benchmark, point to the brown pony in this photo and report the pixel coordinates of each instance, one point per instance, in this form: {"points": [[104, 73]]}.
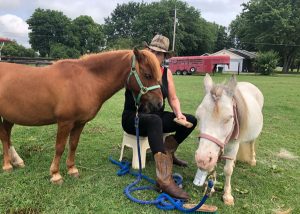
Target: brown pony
{"points": [[70, 93]]}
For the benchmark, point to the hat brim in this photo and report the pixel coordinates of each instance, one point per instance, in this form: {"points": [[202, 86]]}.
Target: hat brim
{"points": [[168, 53]]}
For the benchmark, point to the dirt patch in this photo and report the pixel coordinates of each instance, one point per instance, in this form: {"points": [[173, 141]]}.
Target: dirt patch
{"points": [[284, 154], [288, 211]]}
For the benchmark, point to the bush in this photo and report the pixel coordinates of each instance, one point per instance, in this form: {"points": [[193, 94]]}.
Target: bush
{"points": [[266, 62]]}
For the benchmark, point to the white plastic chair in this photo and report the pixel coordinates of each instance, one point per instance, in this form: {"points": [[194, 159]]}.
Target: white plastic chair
{"points": [[130, 141]]}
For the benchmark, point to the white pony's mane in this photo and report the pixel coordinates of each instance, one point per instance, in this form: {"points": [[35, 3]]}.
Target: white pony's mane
{"points": [[242, 109]]}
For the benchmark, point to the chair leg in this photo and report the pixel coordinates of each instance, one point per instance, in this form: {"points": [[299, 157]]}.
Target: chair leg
{"points": [[131, 142], [122, 150], [143, 154], [135, 158]]}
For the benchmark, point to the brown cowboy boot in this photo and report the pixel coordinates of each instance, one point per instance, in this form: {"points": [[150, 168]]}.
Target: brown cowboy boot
{"points": [[171, 146], [164, 179]]}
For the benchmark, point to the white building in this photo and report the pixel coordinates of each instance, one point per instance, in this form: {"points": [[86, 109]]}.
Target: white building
{"points": [[236, 61]]}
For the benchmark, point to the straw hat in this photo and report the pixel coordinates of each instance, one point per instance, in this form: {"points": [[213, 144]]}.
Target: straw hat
{"points": [[160, 43]]}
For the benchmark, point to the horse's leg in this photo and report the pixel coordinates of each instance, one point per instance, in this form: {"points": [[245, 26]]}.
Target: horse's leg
{"points": [[214, 177], [228, 169], [4, 136], [246, 153], [15, 158], [63, 132], [73, 142], [253, 154]]}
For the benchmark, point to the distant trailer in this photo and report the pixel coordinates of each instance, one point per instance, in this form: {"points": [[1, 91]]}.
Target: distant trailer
{"points": [[187, 65]]}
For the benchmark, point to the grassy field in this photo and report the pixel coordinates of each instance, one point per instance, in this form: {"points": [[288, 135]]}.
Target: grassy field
{"points": [[274, 184]]}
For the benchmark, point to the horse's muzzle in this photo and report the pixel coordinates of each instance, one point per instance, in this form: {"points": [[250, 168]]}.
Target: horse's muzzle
{"points": [[206, 162], [153, 107]]}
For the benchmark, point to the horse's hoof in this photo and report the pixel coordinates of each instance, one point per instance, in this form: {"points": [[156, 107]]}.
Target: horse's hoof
{"points": [[56, 179], [7, 168], [73, 172], [252, 163], [18, 164], [228, 200]]}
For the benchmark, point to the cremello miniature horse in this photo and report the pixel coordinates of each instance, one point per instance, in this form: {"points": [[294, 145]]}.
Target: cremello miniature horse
{"points": [[70, 93], [230, 119]]}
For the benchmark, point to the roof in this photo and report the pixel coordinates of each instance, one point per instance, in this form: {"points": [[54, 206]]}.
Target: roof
{"points": [[243, 53], [2, 39], [228, 53]]}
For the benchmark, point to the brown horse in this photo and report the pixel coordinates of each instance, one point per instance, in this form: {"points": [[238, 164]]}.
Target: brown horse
{"points": [[70, 93]]}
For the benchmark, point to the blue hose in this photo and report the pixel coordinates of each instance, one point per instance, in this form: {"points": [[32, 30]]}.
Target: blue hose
{"points": [[163, 201]]}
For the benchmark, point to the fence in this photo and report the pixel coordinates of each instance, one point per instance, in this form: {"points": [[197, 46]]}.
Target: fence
{"points": [[37, 61]]}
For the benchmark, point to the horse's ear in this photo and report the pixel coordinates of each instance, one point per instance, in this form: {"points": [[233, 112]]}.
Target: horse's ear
{"points": [[231, 85], [138, 54], [208, 83]]}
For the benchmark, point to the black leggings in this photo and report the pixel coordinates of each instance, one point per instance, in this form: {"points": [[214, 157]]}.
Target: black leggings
{"points": [[154, 125]]}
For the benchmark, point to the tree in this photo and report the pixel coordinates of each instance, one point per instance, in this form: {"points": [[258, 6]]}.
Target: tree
{"points": [[154, 18], [138, 22], [194, 36], [120, 25], [122, 43], [49, 27], [14, 49], [89, 34], [270, 25], [222, 40], [60, 51]]}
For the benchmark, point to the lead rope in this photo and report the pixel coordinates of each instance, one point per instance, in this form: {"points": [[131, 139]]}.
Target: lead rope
{"points": [[163, 201]]}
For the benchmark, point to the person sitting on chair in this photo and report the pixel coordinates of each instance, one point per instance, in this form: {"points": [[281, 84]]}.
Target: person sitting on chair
{"points": [[154, 124]]}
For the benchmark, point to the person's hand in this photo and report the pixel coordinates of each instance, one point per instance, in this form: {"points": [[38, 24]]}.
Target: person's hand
{"points": [[180, 116], [183, 122]]}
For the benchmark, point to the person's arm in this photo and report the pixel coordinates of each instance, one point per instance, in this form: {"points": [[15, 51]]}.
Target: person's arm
{"points": [[172, 97]]}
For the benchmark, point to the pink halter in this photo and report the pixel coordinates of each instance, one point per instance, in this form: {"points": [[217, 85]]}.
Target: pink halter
{"points": [[234, 133]]}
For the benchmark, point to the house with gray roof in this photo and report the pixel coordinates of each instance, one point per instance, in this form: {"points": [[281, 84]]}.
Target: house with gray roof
{"points": [[240, 60]]}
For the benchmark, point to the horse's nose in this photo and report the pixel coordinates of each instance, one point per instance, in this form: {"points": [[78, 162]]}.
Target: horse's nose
{"points": [[204, 161], [160, 104]]}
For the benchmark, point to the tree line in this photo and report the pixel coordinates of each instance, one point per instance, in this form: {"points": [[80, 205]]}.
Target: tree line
{"points": [[54, 34], [268, 25]]}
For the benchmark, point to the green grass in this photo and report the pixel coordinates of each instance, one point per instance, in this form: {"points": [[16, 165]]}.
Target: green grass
{"points": [[273, 184]]}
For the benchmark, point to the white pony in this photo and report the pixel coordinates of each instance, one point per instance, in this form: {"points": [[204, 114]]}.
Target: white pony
{"points": [[230, 119]]}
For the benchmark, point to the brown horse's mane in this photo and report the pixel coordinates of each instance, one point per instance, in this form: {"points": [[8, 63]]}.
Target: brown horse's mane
{"points": [[95, 59], [153, 63]]}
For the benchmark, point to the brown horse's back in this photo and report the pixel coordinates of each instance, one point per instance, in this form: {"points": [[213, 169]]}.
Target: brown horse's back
{"points": [[39, 96]]}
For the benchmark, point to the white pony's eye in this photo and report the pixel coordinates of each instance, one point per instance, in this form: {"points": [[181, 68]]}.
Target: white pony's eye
{"points": [[228, 119]]}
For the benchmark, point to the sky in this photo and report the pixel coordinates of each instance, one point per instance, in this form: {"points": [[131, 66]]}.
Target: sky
{"points": [[14, 13]]}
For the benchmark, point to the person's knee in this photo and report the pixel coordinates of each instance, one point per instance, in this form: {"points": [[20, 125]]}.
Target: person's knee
{"points": [[151, 121], [192, 120], [154, 121]]}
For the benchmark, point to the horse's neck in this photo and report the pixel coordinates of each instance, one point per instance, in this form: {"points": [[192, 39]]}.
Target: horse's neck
{"points": [[110, 69], [249, 111]]}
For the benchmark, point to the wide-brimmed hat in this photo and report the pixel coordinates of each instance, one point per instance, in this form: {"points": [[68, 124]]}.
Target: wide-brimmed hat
{"points": [[160, 43]]}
